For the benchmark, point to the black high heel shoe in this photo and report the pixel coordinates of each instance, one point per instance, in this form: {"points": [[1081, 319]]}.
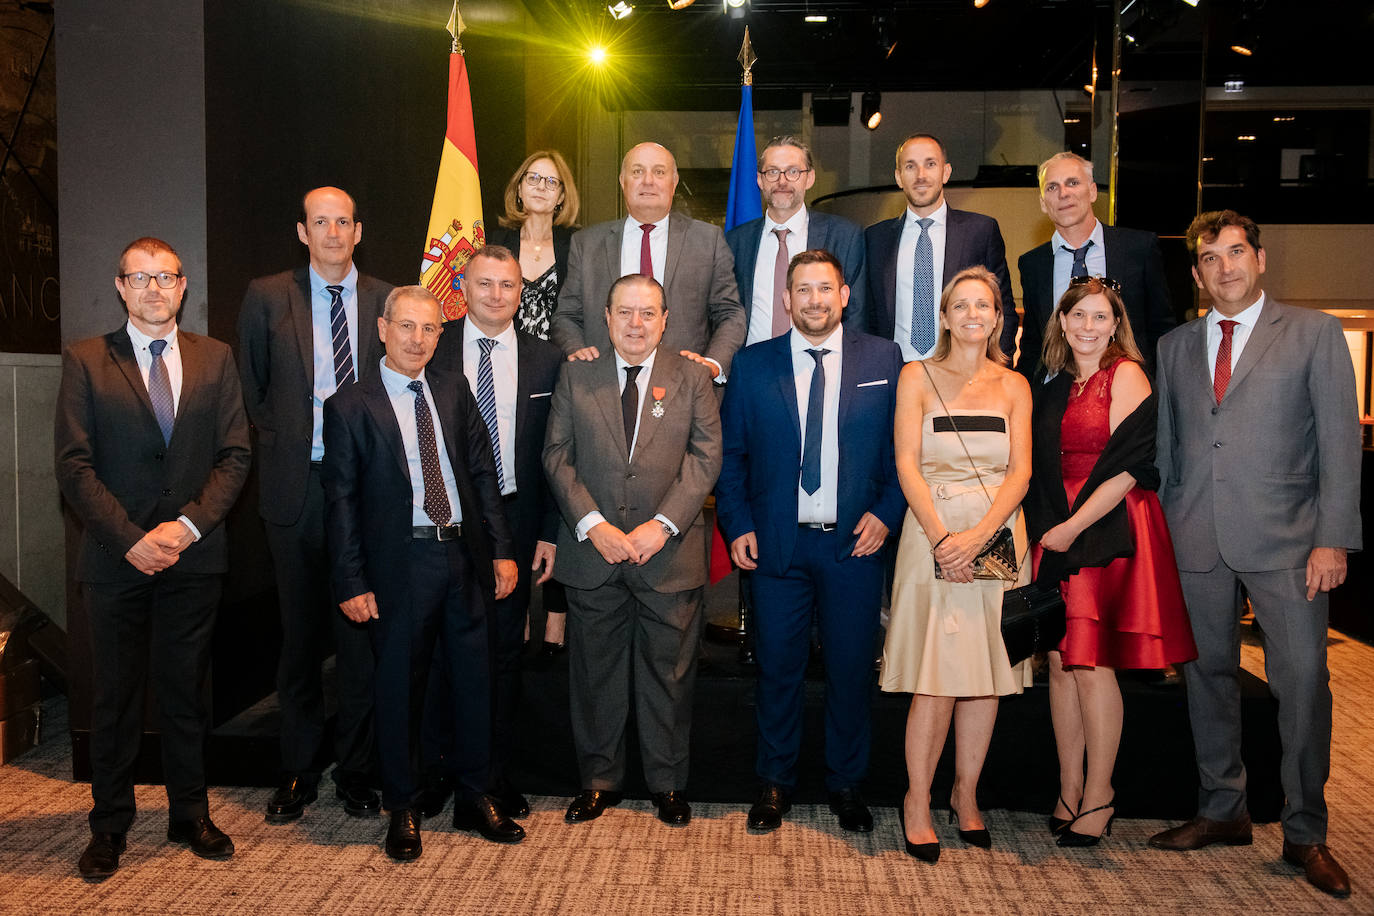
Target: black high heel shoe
{"points": [[1070, 838], [980, 837], [926, 852], [1057, 824]]}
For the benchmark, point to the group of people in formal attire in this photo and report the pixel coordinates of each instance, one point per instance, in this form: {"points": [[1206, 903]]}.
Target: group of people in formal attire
{"points": [[847, 395]]}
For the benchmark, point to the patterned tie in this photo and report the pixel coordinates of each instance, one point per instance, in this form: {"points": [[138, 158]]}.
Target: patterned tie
{"points": [[338, 331], [782, 322], [160, 391], [815, 419], [486, 404], [923, 291], [629, 404], [1080, 259], [646, 259], [436, 498], [1222, 376]]}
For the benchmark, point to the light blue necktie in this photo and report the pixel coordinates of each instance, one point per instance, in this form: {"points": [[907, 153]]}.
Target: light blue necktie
{"points": [[815, 420], [923, 291], [160, 391], [486, 405]]}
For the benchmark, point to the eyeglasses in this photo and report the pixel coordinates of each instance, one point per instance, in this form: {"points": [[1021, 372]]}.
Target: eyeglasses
{"points": [[792, 174], [534, 180], [1108, 282], [139, 280], [409, 327]]}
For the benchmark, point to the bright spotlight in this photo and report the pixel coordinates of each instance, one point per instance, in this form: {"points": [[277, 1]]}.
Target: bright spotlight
{"points": [[620, 10], [596, 54], [735, 3], [870, 109]]}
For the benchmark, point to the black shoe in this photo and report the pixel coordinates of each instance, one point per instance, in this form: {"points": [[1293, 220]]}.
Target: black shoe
{"points": [[551, 650], [1057, 824], [403, 836], [101, 857], [288, 802], [205, 839], [486, 817], [434, 796], [358, 800], [979, 837], [513, 803], [926, 852], [849, 806], [1078, 840], [589, 804], [673, 809], [768, 810]]}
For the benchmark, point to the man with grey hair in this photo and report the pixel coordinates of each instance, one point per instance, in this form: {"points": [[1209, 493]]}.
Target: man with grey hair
{"points": [[764, 247], [1083, 247]]}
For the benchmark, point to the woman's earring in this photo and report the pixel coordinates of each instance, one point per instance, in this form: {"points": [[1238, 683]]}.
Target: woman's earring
{"points": [[519, 202]]}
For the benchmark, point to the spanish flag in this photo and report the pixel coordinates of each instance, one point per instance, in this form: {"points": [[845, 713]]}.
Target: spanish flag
{"points": [[456, 229]]}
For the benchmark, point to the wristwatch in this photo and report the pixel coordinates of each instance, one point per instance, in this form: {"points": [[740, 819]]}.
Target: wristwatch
{"points": [[667, 529]]}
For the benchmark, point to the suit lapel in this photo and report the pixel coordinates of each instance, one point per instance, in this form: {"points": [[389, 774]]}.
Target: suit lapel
{"points": [[749, 255], [523, 359], [369, 300], [298, 301], [192, 355], [384, 417], [1196, 358], [1264, 333], [787, 385], [446, 406], [122, 352], [666, 375], [611, 256], [677, 236], [888, 267], [817, 230], [607, 397], [954, 243], [849, 379]]}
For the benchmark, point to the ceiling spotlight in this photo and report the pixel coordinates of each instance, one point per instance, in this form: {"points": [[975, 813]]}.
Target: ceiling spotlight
{"points": [[680, 4], [979, 4], [1191, 2], [1234, 85], [620, 10], [735, 4], [870, 109], [816, 18], [1242, 50], [736, 9], [1246, 137], [596, 54]]}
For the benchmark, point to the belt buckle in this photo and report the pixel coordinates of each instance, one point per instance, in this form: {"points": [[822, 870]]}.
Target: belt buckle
{"points": [[448, 532]]}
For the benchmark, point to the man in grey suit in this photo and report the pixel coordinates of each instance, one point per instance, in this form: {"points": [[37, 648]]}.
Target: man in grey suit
{"points": [[688, 258], [1259, 459], [303, 334], [633, 449], [764, 247]]}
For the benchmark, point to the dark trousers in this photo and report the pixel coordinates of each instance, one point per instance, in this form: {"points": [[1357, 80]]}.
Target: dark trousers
{"points": [[312, 625], [846, 594], [164, 623], [447, 609]]}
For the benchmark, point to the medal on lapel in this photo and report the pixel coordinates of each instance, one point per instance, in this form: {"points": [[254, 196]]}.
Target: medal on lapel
{"points": [[659, 394]]}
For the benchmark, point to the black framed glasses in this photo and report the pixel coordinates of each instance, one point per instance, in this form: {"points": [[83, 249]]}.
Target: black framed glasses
{"points": [[792, 174], [1108, 282], [534, 180], [139, 280]]}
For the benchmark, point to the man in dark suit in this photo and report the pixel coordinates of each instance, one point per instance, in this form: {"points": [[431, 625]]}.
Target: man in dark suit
{"points": [[688, 258], [1259, 460], [632, 451], [151, 452], [420, 550], [912, 256], [1082, 247], [303, 334], [786, 173], [512, 374], [808, 495]]}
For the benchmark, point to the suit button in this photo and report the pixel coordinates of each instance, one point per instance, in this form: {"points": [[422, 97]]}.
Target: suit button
{"points": [[1216, 445], [620, 508], [158, 457], [629, 477], [166, 492]]}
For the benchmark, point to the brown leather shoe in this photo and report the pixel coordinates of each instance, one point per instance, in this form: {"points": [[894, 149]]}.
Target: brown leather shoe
{"points": [[1202, 831], [1323, 872]]}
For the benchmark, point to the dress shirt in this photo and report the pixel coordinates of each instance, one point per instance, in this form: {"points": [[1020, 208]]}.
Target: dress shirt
{"points": [[171, 359], [632, 239], [505, 366], [1063, 260], [403, 405], [594, 517], [761, 307], [322, 331], [906, 261], [821, 506], [1245, 323]]}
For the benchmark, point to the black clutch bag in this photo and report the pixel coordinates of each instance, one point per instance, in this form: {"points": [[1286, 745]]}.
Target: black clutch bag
{"points": [[1032, 620]]}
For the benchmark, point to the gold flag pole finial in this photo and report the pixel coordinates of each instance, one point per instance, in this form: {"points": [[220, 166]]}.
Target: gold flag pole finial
{"points": [[455, 28], [746, 58]]}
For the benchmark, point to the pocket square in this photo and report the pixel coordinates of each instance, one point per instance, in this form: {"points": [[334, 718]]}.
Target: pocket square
{"points": [[541, 394], [881, 381]]}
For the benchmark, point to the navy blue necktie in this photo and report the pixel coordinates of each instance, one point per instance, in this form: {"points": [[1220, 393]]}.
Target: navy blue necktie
{"points": [[436, 497], [160, 391], [815, 420], [1080, 258], [923, 291], [338, 333]]}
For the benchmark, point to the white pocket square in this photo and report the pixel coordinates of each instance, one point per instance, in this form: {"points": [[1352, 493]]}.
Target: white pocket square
{"points": [[541, 394], [881, 381]]}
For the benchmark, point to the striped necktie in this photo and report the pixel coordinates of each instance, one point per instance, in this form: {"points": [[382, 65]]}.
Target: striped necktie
{"points": [[486, 405], [338, 332]]}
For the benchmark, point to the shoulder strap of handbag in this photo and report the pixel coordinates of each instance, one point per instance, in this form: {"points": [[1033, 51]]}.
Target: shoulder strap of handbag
{"points": [[954, 425]]}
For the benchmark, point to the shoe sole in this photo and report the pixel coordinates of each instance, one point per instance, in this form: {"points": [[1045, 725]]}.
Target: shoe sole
{"points": [[213, 856], [404, 856], [94, 875], [1238, 841]]}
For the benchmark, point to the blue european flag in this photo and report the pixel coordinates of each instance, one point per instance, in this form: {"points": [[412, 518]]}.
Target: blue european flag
{"points": [[743, 204]]}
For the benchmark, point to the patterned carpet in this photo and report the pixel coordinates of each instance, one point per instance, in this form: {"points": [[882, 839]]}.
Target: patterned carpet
{"points": [[627, 862]]}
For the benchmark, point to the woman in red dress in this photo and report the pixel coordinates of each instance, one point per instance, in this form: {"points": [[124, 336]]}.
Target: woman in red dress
{"points": [[1101, 532]]}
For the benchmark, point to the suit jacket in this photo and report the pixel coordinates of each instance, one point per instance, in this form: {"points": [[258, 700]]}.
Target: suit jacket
{"points": [[761, 424], [533, 515], [704, 311], [971, 239], [1272, 471], [368, 496], [674, 466], [119, 476], [841, 237], [1133, 259], [277, 349], [562, 241]]}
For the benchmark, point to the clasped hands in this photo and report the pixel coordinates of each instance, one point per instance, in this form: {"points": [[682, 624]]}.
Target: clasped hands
{"points": [[160, 548], [955, 553], [637, 547]]}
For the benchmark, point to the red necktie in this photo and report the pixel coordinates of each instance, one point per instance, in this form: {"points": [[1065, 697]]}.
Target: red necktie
{"points": [[646, 260], [1222, 376]]}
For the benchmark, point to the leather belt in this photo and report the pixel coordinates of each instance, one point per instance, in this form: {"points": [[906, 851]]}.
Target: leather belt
{"points": [[817, 526], [437, 532]]}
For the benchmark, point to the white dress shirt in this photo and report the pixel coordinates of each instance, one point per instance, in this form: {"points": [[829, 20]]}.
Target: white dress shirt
{"points": [[403, 405], [322, 332], [821, 506], [761, 306], [906, 263], [171, 358], [1240, 334], [1096, 260], [631, 241], [505, 368]]}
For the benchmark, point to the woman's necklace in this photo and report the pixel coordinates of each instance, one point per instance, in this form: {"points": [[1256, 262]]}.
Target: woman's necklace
{"points": [[1080, 384], [538, 244]]}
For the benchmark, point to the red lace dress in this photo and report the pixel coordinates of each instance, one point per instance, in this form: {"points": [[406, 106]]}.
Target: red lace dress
{"points": [[1129, 613]]}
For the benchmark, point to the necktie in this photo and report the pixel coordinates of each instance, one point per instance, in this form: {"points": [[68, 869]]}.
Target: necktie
{"points": [[1222, 376], [160, 391], [436, 499], [923, 291], [486, 404], [629, 404], [815, 420], [1080, 258], [782, 322], [338, 331], [646, 258]]}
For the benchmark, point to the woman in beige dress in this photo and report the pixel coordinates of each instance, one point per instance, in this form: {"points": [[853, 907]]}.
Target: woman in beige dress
{"points": [[944, 639]]}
